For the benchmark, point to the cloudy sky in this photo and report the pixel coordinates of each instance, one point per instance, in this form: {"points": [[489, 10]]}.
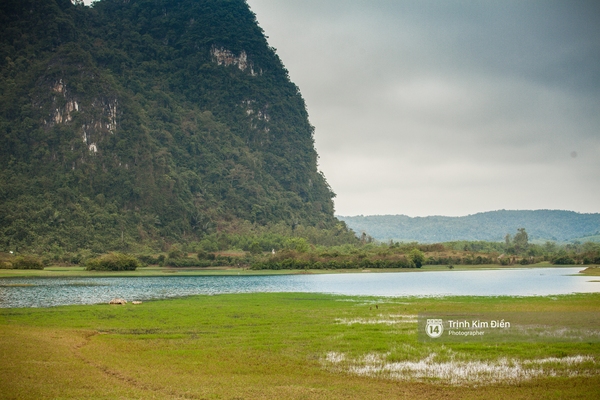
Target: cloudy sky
{"points": [[447, 107]]}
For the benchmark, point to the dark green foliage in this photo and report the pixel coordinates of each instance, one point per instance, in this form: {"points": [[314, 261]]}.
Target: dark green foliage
{"points": [[255, 248], [123, 124], [417, 257], [563, 260], [576, 253], [176, 253], [476, 246], [519, 244], [414, 255], [275, 237], [292, 263], [203, 255], [151, 260], [187, 262], [215, 261], [27, 262], [463, 260], [521, 241], [354, 259], [113, 262]]}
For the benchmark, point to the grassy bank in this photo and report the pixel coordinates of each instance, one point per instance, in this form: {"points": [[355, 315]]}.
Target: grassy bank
{"points": [[291, 345], [592, 271]]}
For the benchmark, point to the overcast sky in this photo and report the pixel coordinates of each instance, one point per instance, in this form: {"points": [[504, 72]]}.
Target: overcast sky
{"points": [[447, 107]]}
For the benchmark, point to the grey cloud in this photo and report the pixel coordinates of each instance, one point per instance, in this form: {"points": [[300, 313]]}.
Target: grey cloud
{"points": [[448, 107]]}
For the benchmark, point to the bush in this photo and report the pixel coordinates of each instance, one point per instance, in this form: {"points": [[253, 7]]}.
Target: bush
{"points": [[505, 261], [291, 262], [255, 248], [150, 260], [563, 260], [417, 257], [113, 262], [203, 255], [176, 252], [27, 262], [187, 262]]}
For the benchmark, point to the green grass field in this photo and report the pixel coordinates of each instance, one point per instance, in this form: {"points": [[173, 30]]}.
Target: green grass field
{"points": [[280, 346]]}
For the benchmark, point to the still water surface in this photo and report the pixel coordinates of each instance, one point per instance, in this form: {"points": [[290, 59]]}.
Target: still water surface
{"points": [[47, 292]]}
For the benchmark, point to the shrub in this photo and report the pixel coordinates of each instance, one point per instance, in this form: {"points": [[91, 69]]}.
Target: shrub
{"points": [[150, 260], [563, 260], [27, 262], [113, 262], [203, 255], [505, 261], [176, 252], [187, 262], [255, 248], [417, 257]]}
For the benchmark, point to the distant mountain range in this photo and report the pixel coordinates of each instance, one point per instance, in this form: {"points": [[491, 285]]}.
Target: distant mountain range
{"points": [[541, 225]]}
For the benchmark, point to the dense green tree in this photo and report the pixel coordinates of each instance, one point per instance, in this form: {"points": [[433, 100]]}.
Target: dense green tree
{"points": [[521, 241], [417, 257]]}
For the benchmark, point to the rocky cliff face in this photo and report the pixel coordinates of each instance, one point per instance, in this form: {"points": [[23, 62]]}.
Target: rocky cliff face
{"points": [[98, 117], [148, 119]]}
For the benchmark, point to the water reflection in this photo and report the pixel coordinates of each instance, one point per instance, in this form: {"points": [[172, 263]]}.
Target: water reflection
{"points": [[46, 292]]}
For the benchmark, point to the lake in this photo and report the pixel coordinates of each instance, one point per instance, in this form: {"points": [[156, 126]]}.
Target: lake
{"points": [[48, 292]]}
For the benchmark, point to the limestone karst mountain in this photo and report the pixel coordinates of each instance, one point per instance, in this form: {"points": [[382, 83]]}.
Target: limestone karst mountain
{"points": [[136, 119]]}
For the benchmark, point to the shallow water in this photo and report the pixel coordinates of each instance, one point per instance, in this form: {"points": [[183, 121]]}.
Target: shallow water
{"points": [[47, 292]]}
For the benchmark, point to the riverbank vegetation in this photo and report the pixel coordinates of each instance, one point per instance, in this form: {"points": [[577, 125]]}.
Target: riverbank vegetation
{"points": [[284, 345], [8, 261], [318, 250], [113, 262]]}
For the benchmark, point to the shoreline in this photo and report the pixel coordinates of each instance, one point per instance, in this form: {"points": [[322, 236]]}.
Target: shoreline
{"points": [[150, 271]]}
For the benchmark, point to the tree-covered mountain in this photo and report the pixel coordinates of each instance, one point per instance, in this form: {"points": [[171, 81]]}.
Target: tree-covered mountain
{"points": [[493, 226], [146, 120]]}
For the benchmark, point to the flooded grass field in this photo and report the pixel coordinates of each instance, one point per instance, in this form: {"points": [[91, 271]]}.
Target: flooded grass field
{"points": [[285, 345]]}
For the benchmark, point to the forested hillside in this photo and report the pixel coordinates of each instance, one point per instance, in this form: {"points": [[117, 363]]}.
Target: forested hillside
{"points": [[551, 225], [148, 120]]}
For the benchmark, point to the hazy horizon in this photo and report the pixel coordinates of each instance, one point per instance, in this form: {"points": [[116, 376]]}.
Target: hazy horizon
{"points": [[456, 216]]}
